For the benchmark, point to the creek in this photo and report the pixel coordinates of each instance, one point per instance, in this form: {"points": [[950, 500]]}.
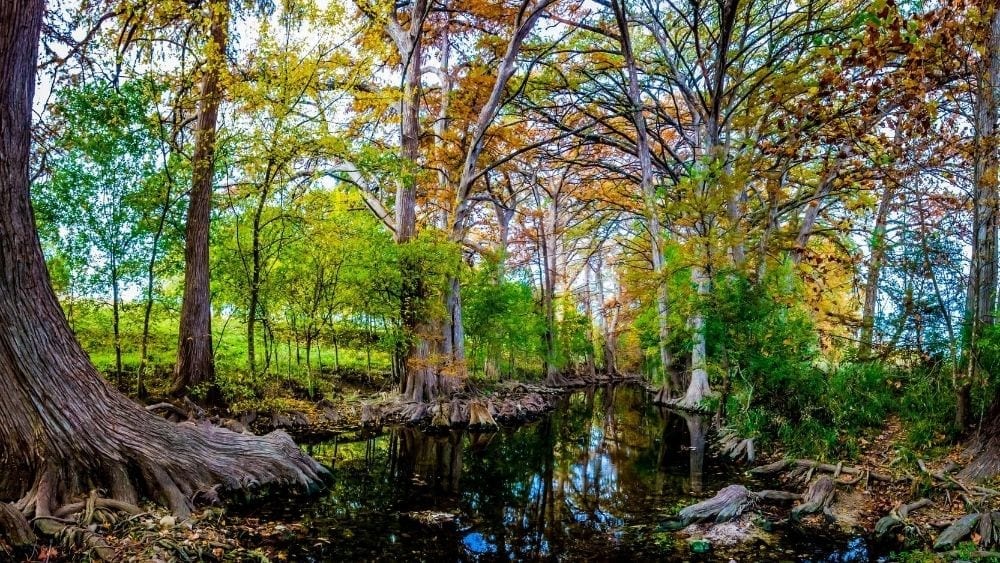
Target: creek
{"points": [[595, 479]]}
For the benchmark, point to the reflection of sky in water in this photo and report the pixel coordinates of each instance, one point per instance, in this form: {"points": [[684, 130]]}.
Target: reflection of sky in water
{"points": [[478, 544]]}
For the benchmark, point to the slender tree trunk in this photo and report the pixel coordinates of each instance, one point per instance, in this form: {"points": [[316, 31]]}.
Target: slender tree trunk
{"points": [[878, 249], [147, 314], [116, 323], [456, 325], [548, 246], [63, 430], [811, 214], [589, 312], [982, 294], [336, 352], [648, 190], [608, 324], [195, 361]]}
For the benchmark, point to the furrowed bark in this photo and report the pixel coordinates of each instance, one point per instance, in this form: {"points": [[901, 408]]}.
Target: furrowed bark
{"points": [[195, 362], [64, 431]]}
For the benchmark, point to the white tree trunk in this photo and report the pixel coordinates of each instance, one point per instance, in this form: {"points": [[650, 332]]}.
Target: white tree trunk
{"points": [[699, 387]]}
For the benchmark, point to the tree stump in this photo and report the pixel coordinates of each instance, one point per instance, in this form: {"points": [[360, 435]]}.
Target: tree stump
{"points": [[726, 505], [480, 417]]}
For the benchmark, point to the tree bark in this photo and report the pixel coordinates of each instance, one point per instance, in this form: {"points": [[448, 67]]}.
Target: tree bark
{"points": [[64, 431], [608, 322], [195, 362], [648, 195], [982, 292], [698, 388], [983, 266], [878, 249]]}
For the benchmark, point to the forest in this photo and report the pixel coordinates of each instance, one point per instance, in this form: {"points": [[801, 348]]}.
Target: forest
{"points": [[487, 280]]}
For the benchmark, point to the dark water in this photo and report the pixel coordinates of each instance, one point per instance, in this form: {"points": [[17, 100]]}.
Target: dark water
{"points": [[592, 481]]}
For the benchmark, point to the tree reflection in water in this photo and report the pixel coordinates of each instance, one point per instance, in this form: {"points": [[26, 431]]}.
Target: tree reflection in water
{"points": [[587, 477]]}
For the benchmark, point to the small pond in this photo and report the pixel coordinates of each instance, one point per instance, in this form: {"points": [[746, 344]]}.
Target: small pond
{"points": [[593, 480]]}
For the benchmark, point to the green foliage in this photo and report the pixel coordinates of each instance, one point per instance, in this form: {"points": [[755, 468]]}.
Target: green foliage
{"points": [[768, 345], [573, 337], [502, 322], [97, 208]]}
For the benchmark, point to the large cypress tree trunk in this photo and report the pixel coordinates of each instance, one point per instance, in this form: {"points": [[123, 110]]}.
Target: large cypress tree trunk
{"points": [[63, 430], [195, 364]]}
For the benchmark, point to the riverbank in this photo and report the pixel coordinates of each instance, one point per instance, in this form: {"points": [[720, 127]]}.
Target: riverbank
{"points": [[900, 506], [602, 471]]}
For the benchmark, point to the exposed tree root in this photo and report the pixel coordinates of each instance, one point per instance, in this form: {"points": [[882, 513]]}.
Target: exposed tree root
{"points": [[946, 480], [984, 449], [988, 530], [898, 518], [817, 498], [663, 396], [480, 417], [808, 467], [959, 530], [679, 403], [441, 416], [460, 411], [370, 416], [71, 534], [73, 524], [15, 527], [737, 448], [170, 412], [192, 464], [727, 504], [560, 380]]}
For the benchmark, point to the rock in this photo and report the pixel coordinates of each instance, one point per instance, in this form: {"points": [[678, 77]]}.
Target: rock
{"points": [[700, 545], [955, 533], [168, 522], [726, 534]]}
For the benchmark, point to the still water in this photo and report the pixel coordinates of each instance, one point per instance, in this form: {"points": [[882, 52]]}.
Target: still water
{"points": [[594, 480]]}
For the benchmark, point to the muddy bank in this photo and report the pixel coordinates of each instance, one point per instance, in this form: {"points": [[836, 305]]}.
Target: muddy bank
{"points": [[507, 405]]}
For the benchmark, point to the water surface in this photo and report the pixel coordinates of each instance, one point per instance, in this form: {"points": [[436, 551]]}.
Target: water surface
{"points": [[594, 480]]}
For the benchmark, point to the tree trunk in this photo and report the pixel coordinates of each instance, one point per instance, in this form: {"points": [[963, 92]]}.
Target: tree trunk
{"points": [[588, 302], [811, 214], [140, 384], [456, 331], [698, 388], [609, 320], [548, 247], [195, 362], [116, 323], [983, 266], [878, 249], [419, 378], [648, 193], [63, 430]]}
